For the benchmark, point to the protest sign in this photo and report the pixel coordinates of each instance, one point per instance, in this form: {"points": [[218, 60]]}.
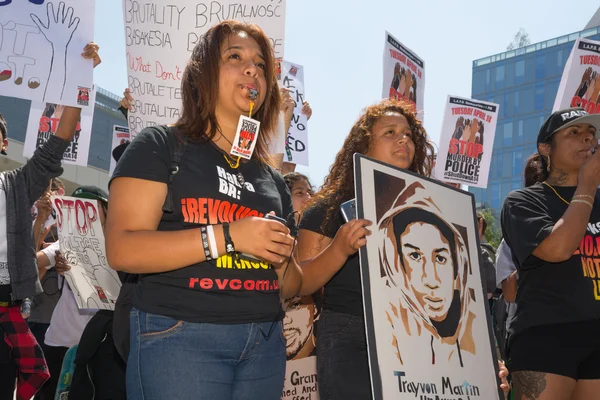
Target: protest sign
{"points": [[81, 238], [121, 139], [160, 38], [40, 50], [297, 140], [43, 123], [426, 310], [580, 82], [403, 74], [466, 142], [299, 330]]}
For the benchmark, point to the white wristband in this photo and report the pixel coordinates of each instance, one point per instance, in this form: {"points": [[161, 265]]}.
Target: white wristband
{"points": [[212, 242]]}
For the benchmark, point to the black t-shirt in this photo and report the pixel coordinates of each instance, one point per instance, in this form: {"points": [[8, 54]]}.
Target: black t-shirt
{"points": [[207, 192], [343, 293], [551, 293]]}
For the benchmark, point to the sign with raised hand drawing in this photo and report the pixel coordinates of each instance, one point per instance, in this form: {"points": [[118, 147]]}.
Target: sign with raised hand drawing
{"points": [[403, 74], [466, 142], [40, 50], [160, 37], [81, 237], [580, 82], [43, 123]]}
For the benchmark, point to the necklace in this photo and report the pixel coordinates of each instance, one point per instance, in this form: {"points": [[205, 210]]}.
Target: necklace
{"points": [[227, 158], [233, 165], [556, 193]]}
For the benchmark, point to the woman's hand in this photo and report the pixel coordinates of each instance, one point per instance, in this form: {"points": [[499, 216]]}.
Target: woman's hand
{"points": [[266, 239], [90, 51], [44, 207], [61, 265], [351, 236], [503, 374], [127, 100], [589, 173], [306, 110], [287, 103]]}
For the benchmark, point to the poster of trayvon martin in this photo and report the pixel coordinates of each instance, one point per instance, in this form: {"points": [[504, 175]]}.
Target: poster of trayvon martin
{"points": [[426, 310], [466, 142]]}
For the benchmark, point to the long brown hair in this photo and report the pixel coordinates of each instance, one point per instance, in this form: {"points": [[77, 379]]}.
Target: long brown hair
{"points": [[339, 184], [200, 87]]}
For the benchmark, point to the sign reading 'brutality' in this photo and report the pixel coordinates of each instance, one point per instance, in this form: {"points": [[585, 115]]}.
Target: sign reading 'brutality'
{"points": [[160, 38]]}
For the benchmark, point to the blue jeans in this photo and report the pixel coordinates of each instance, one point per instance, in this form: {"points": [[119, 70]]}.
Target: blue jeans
{"points": [[342, 361], [171, 359]]}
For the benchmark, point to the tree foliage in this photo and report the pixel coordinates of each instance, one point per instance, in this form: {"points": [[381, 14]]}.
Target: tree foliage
{"points": [[521, 39], [493, 233]]}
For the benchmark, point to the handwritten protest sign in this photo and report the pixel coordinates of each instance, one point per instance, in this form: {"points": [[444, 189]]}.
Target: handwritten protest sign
{"points": [[301, 380], [43, 123], [121, 139], [160, 38], [466, 142], [580, 82], [403, 73], [297, 140], [94, 284], [40, 50]]}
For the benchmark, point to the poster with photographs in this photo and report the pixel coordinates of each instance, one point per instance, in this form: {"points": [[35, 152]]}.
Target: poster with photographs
{"points": [[426, 310], [403, 74], [466, 142], [299, 330], [81, 238], [580, 82], [121, 139], [43, 123]]}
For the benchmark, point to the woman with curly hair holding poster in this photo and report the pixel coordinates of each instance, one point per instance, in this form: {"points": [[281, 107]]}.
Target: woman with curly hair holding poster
{"points": [[327, 247]]}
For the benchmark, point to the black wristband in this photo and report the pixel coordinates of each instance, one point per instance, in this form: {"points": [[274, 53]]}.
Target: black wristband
{"points": [[229, 246], [205, 243]]}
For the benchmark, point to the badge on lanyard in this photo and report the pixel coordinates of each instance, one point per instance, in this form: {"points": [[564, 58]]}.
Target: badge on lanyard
{"points": [[245, 137], [246, 134]]}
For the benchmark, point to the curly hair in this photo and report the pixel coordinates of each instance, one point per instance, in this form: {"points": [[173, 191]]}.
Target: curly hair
{"points": [[339, 184], [294, 177]]}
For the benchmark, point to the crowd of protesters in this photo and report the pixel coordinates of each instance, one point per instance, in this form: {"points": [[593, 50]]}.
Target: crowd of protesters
{"points": [[177, 332]]}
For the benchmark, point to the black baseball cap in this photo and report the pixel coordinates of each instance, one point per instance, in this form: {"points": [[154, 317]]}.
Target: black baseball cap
{"points": [[563, 119], [90, 192], [119, 150]]}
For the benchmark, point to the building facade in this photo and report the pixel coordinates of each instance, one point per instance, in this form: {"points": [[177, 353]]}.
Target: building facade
{"points": [[106, 115], [524, 82]]}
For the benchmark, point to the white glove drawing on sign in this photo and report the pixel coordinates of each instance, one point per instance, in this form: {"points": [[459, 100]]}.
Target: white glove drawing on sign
{"points": [[59, 31]]}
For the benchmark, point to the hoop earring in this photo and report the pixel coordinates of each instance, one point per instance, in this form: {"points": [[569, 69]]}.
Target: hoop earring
{"points": [[548, 168]]}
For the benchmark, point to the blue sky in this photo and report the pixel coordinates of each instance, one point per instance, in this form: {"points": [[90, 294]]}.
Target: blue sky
{"points": [[340, 44]]}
